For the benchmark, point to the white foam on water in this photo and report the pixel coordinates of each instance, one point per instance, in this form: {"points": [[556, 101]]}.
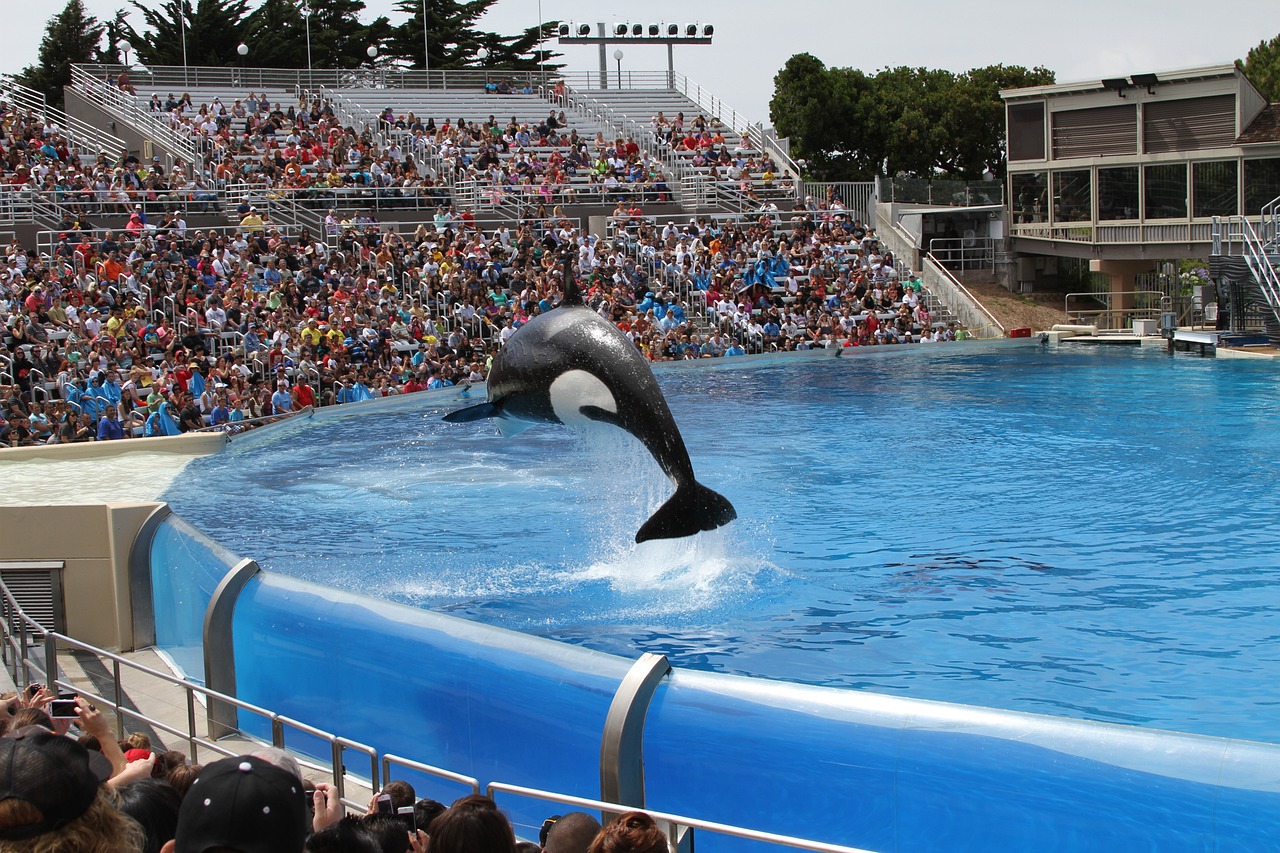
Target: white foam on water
{"points": [[138, 476]]}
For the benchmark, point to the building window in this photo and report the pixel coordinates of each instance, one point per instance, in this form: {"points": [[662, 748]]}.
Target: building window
{"points": [[1118, 193], [1072, 196], [1026, 131], [1261, 184], [1166, 191], [1029, 194], [1214, 190]]}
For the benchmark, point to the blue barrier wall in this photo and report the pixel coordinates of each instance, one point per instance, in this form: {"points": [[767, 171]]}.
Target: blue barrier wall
{"points": [[481, 701], [862, 769], [186, 567]]}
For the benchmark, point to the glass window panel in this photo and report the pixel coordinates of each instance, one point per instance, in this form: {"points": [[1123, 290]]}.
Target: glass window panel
{"points": [[1261, 184], [1026, 131], [1117, 194], [1029, 193], [1072, 196], [1214, 189], [1166, 191]]}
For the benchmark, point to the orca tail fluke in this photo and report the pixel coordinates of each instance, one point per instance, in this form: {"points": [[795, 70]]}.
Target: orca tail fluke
{"points": [[692, 509], [473, 413]]}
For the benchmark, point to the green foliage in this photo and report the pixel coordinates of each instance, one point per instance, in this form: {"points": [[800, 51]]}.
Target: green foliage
{"points": [[339, 40], [71, 37], [913, 121], [453, 39], [213, 30], [1262, 66], [276, 35]]}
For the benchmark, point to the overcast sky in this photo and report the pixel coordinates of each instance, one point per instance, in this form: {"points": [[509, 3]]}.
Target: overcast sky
{"points": [[1081, 40]]}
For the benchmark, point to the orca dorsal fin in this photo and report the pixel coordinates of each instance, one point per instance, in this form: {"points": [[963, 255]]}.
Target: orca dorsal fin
{"points": [[572, 295]]}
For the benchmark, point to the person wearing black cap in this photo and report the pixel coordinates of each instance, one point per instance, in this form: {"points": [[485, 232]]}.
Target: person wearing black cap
{"points": [[52, 798], [242, 804]]}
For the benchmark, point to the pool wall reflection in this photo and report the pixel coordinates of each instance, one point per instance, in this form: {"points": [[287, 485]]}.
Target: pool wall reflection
{"points": [[850, 767]]}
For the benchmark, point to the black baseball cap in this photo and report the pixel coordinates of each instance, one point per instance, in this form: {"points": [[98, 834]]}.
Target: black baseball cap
{"points": [[53, 774], [243, 803]]}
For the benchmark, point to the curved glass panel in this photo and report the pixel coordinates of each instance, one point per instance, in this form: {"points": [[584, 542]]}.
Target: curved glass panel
{"points": [[186, 567], [885, 773], [481, 701]]}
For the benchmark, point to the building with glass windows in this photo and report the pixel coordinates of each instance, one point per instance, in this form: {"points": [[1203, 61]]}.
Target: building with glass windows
{"points": [[1128, 171]]}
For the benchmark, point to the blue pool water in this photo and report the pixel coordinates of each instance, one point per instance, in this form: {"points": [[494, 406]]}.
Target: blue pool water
{"points": [[1082, 532]]}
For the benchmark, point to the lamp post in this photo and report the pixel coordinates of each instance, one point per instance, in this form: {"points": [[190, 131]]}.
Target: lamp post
{"points": [[426, 46], [306, 17], [482, 54], [617, 54], [185, 81], [243, 50], [123, 46]]}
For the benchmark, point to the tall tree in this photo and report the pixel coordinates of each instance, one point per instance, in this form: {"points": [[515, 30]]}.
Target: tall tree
{"points": [[1262, 66], [339, 40], [913, 121], [213, 29], [70, 37], [452, 38], [276, 35], [116, 29]]}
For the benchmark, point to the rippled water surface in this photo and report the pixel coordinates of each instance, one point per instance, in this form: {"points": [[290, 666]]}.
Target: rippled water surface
{"points": [[1081, 532]]}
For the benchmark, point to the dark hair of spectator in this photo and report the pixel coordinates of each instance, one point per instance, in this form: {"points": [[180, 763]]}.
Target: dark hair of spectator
{"points": [[425, 811], [472, 824], [153, 804], [402, 793], [571, 833], [390, 832], [348, 835]]}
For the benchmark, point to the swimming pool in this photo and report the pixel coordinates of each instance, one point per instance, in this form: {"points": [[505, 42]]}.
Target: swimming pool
{"points": [[1076, 532]]}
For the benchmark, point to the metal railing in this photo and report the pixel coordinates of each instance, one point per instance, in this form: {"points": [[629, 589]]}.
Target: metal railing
{"points": [[679, 828], [939, 192], [80, 134], [964, 253], [968, 309], [122, 106], [23, 637], [176, 77], [1165, 232], [1149, 304]]}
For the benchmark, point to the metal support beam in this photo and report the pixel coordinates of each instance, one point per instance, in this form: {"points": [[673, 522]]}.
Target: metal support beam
{"points": [[219, 651], [622, 744], [604, 60], [141, 604]]}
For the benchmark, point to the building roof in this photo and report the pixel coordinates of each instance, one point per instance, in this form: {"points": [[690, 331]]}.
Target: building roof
{"points": [[1265, 127], [1181, 75]]}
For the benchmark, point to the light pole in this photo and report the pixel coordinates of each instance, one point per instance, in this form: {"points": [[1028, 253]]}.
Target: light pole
{"points": [[306, 17], [617, 54], [123, 46], [426, 46], [482, 54], [185, 81], [243, 50]]}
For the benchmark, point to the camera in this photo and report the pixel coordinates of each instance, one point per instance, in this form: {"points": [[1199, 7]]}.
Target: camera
{"points": [[64, 707]]}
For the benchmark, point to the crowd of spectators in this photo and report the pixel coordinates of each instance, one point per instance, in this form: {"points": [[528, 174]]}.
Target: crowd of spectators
{"points": [[82, 790], [156, 328]]}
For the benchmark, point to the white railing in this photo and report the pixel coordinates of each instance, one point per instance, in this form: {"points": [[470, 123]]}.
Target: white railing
{"points": [[1128, 234], [80, 134], [121, 105], [971, 313]]}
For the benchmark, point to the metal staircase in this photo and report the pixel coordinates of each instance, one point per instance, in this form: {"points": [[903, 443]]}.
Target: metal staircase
{"points": [[1245, 265]]}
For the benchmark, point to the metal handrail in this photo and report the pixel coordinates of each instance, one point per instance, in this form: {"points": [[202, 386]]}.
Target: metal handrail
{"points": [[388, 760], [123, 107], [18, 645], [79, 133], [954, 282], [673, 821]]}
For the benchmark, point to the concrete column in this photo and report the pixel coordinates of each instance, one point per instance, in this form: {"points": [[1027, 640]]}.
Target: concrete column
{"points": [[1123, 280]]}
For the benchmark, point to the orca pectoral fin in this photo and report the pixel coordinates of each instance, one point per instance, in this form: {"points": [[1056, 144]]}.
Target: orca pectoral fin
{"points": [[692, 509], [508, 427], [473, 413]]}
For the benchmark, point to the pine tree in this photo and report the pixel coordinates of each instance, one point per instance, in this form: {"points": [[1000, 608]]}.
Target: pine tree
{"points": [[452, 39], [1262, 67], [276, 35], [339, 40], [71, 36], [212, 32]]}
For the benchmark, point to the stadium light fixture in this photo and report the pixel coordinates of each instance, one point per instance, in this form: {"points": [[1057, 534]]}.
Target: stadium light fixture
{"points": [[654, 30]]}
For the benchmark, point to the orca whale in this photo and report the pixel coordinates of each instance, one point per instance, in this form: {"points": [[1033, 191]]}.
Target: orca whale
{"points": [[570, 366]]}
